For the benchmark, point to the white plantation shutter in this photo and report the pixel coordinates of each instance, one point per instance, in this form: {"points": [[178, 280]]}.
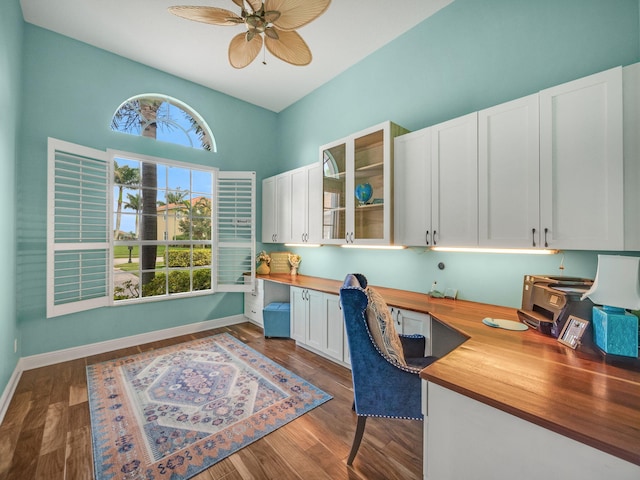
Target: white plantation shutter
{"points": [[78, 272], [234, 235]]}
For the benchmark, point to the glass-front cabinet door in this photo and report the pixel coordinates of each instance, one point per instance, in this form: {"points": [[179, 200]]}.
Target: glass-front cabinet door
{"points": [[334, 211], [357, 187], [369, 191]]}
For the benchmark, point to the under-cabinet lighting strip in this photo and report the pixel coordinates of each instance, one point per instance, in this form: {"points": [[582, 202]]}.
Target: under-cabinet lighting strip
{"points": [[521, 251], [525, 251], [377, 247]]}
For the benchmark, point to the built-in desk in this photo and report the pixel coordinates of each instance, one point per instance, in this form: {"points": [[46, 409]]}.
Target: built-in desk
{"points": [[530, 377]]}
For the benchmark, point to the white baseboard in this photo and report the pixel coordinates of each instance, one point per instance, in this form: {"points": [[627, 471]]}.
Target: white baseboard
{"points": [[7, 394], [58, 356], [50, 358]]}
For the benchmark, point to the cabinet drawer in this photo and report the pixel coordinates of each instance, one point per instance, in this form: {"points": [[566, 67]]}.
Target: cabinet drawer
{"points": [[253, 311], [257, 294]]}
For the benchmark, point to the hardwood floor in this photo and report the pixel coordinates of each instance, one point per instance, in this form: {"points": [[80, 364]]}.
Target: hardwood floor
{"points": [[46, 433]]}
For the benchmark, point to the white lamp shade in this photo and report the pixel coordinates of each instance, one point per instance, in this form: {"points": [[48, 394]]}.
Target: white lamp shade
{"points": [[617, 282]]}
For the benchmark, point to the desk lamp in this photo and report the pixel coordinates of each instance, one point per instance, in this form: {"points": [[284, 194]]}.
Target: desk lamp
{"points": [[616, 288]]}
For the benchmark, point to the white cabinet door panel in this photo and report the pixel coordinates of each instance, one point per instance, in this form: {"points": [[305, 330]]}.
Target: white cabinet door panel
{"points": [[508, 175], [284, 207], [454, 157], [316, 321], [269, 209], [298, 314], [299, 205], [314, 203], [412, 192], [581, 163], [335, 327]]}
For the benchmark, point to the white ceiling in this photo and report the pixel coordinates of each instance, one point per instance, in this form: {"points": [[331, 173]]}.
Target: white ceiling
{"points": [[144, 31]]}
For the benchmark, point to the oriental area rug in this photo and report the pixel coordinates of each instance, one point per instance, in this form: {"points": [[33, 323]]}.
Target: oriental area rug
{"points": [[173, 412]]}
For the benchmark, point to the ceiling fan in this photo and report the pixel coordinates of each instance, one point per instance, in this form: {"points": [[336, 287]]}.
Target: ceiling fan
{"points": [[275, 20]]}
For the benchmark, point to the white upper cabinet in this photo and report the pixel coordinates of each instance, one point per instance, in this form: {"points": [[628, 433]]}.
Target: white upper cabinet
{"points": [[436, 185], [306, 207], [358, 164], [412, 189], [291, 209], [276, 209], [269, 210], [631, 84], [283, 208], [508, 175], [454, 182], [581, 163], [543, 171]]}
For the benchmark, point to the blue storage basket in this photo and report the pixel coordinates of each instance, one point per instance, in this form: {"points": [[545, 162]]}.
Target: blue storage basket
{"points": [[276, 317]]}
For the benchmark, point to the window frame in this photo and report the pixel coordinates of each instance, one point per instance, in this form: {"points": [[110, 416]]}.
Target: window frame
{"points": [[186, 109], [243, 217]]}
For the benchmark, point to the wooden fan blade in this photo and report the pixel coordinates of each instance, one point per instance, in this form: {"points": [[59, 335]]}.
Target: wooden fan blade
{"points": [[239, 3], [212, 15], [242, 52], [289, 47], [255, 4], [296, 13]]}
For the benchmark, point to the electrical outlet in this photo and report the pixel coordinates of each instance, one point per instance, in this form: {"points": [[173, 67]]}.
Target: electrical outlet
{"points": [[15, 345]]}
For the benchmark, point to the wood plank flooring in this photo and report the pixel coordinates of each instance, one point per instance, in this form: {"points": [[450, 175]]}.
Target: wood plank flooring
{"points": [[46, 433]]}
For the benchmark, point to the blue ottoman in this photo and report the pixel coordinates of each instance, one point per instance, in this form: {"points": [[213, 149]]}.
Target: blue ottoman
{"points": [[276, 320]]}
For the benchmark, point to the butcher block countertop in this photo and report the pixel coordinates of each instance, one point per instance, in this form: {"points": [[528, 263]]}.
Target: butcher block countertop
{"points": [[524, 373]]}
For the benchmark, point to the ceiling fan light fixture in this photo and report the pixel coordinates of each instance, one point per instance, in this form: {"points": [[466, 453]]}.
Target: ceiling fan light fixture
{"points": [[276, 19]]}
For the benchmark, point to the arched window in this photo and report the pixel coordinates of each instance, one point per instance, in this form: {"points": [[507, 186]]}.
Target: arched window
{"points": [[163, 118]]}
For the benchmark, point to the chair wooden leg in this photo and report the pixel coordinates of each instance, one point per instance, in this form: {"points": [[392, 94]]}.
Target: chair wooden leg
{"points": [[357, 439]]}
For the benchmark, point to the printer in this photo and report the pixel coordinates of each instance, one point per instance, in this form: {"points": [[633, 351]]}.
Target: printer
{"points": [[548, 301]]}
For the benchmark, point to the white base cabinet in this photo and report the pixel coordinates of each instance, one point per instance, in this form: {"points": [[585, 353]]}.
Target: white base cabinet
{"points": [[317, 323], [299, 314], [335, 344], [265, 292], [409, 323], [308, 318], [464, 438]]}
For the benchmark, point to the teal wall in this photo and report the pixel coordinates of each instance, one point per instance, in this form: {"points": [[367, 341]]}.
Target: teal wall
{"points": [[11, 27], [71, 93], [471, 55]]}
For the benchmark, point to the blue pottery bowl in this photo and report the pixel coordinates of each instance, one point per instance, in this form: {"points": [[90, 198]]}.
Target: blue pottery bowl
{"points": [[364, 192]]}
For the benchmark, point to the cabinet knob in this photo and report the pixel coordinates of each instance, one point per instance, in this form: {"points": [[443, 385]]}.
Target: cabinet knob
{"points": [[533, 235], [434, 237], [426, 237]]}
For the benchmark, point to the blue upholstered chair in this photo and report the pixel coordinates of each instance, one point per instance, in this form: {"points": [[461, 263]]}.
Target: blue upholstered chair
{"points": [[382, 386]]}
